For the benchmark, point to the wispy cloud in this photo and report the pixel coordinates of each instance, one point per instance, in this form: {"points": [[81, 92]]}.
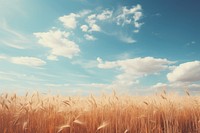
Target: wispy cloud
{"points": [[27, 61], [24, 60], [11, 37], [126, 39], [86, 63], [2, 57]]}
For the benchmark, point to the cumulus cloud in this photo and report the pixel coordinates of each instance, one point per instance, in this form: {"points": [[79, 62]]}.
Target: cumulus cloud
{"points": [[69, 21], [186, 72], [133, 69], [89, 37], [58, 42], [27, 61]]}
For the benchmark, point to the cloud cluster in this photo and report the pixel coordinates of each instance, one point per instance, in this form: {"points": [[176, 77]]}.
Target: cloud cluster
{"points": [[59, 43], [133, 69], [94, 19]]}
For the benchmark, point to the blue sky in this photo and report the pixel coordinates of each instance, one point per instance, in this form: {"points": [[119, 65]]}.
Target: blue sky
{"points": [[84, 46]]}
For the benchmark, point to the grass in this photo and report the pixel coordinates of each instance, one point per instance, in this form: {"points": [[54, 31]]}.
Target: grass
{"points": [[162, 113]]}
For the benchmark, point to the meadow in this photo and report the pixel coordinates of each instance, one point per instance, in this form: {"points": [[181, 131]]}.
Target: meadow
{"points": [[45, 113]]}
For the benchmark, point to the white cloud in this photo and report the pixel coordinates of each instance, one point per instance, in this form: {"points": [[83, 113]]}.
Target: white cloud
{"points": [[126, 39], [106, 14], [137, 25], [57, 85], [95, 85], [133, 69], [52, 57], [159, 86], [12, 44], [186, 72], [194, 86], [95, 27], [136, 31], [127, 16], [69, 21], [2, 57], [89, 37], [58, 42], [84, 13], [91, 20], [184, 85], [84, 28], [137, 16], [28, 61]]}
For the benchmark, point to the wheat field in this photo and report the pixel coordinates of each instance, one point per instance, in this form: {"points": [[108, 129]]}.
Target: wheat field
{"points": [[39, 113]]}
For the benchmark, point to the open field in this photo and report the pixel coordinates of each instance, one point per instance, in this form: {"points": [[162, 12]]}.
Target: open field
{"points": [[37, 113]]}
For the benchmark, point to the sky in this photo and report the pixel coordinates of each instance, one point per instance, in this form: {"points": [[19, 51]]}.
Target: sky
{"points": [[93, 46]]}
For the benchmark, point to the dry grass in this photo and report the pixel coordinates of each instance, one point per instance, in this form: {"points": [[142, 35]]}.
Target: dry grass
{"points": [[36, 113]]}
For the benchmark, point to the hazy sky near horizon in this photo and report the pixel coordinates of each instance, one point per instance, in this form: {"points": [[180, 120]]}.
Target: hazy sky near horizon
{"points": [[83, 46]]}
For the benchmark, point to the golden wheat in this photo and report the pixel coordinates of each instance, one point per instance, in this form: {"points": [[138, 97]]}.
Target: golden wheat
{"points": [[37, 113]]}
